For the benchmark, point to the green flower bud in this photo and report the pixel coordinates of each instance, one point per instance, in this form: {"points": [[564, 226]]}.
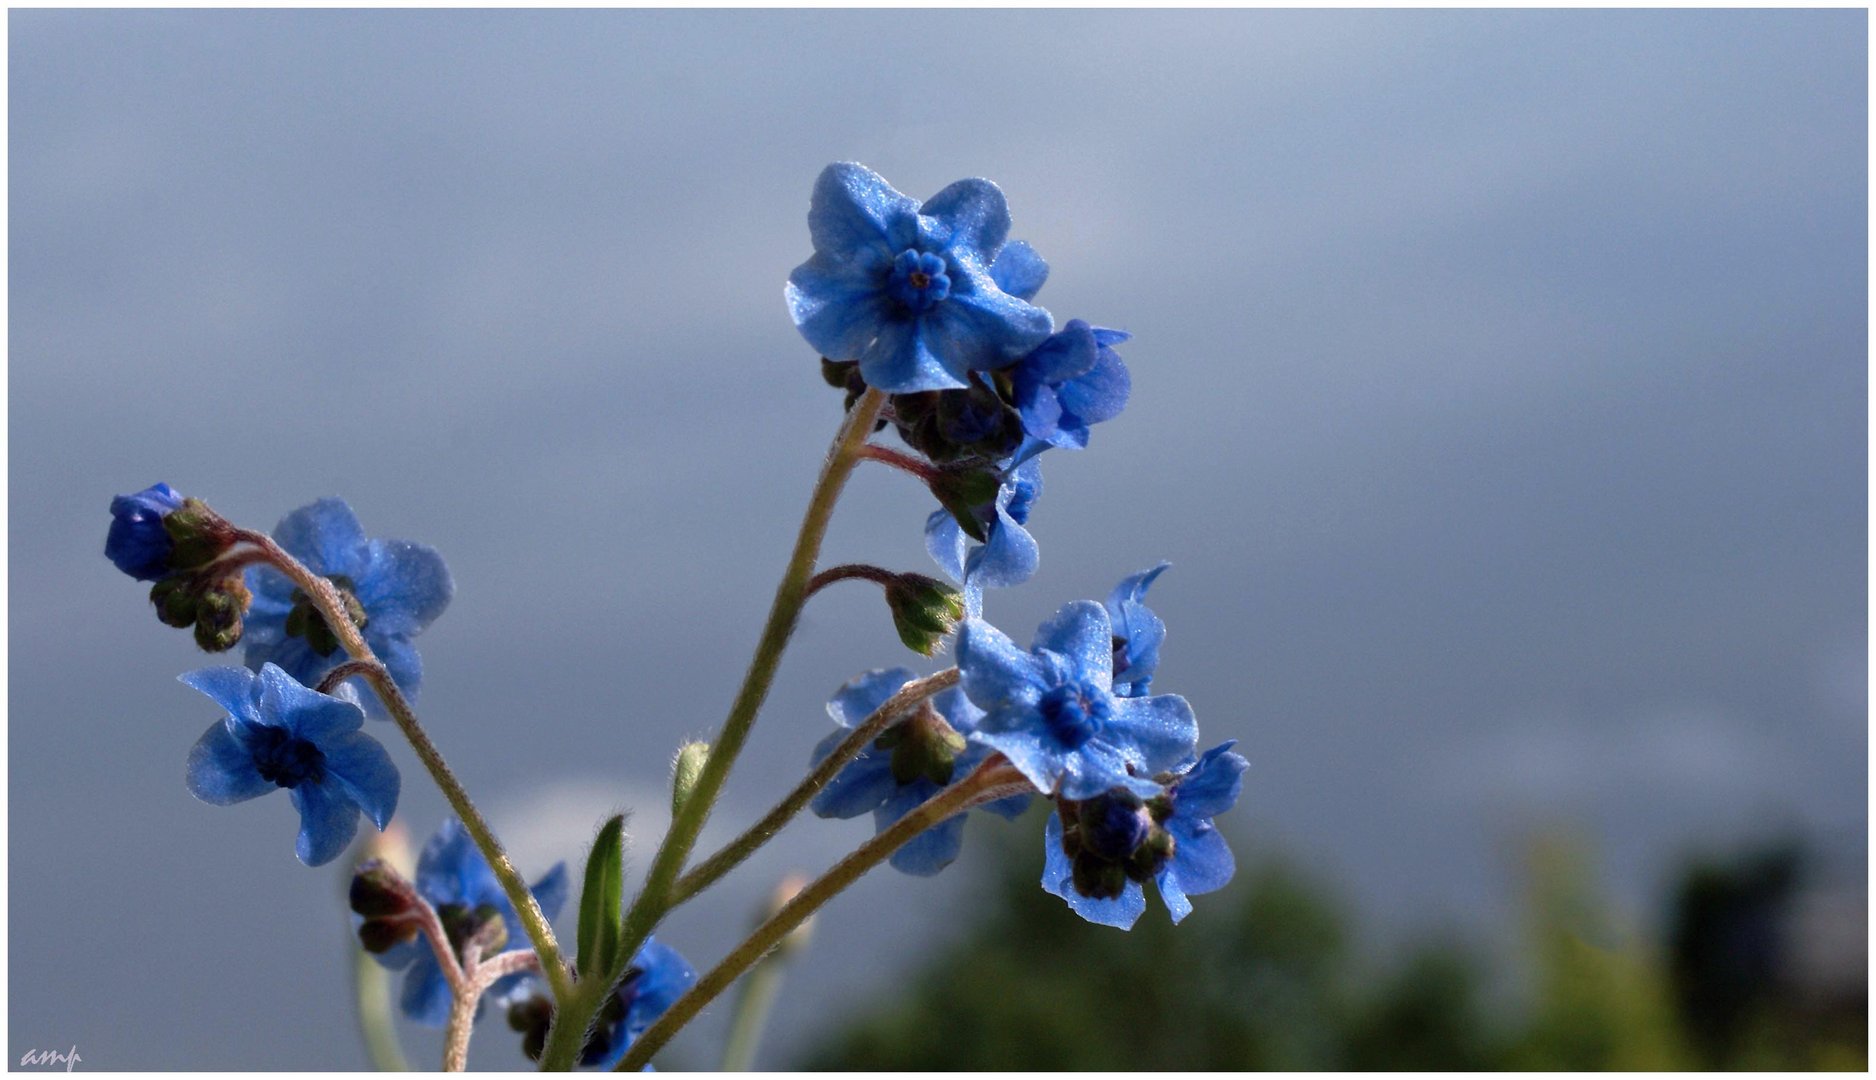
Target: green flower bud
{"points": [[199, 535], [924, 611], [174, 597], [925, 746], [689, 765], [382, 935], [963, 490], [1147, 859], [218, 614]]}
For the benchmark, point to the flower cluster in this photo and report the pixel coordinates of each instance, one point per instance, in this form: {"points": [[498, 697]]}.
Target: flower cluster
{"points": [[928, 304], [924, 314]]}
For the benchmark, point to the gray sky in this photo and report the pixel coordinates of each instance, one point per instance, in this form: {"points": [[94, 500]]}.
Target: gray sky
{"points": [[1499, 397]]}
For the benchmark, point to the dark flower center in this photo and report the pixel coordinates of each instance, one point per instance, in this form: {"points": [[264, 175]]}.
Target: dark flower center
{"points": [[285, 759], [1074, 713], [918, 280]]}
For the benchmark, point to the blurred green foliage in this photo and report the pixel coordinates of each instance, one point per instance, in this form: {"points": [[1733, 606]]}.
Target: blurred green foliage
{"points": [[1269, 974]]}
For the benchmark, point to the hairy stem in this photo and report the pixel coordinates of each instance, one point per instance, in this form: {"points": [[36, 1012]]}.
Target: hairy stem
{"points": [[904, 462], [706, 873], [850, 571], [332, 609], [993, 780], [575, 1015]]}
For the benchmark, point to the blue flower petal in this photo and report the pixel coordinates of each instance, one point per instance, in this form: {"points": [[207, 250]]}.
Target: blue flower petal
{"points": [[854, 209], [957, 710], [1143, 630], [1008, 559], [1069, 353], [994, 672], [1100, 394], [221, 770], [360, 764], [1019, 271], [981, 326], [1057, 879], [303, 711], [968, 218], [232, 688], [328, 821], [861, 695], [900, 361], [1102, 764], [1201, 863], [862, 785], [403, 586], [405, 665], [930, 851], [1158, 731], [1081, 632], [837, 304], [451, 870], [426, 997], [946, 543], [1212, 786], [1011, 731], [326, 536]]}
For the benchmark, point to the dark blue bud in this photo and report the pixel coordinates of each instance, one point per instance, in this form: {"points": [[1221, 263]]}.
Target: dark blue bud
{"points": [[138, 544], [1115, 824]]}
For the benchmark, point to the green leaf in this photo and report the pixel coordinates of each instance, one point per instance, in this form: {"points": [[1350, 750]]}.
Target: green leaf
{"points": [[602, 899]]}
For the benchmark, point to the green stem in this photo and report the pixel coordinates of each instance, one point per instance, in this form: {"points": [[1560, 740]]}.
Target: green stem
{"points": [[575, 1013], [752, 1013], [993, 780], [706, 873], [332, 608], [373, 983]]}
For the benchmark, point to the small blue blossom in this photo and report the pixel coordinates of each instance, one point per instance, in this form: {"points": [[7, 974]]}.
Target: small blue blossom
{"points": [[904, 288], [869, 782], [279, 734], [1070, 381], [1138, 633], [138, 544], [657, 978], [397, 588], [455, 878], [1199, 860], [1010, 555], [1053, 713]]}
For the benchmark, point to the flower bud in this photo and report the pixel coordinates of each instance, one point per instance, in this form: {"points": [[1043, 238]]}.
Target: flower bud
{"points": [[968, 492], [924, 746], [219, 610], [1096, 878], [924, 611], [379, 891], [691, 758], [138, 544], [199, 535]]}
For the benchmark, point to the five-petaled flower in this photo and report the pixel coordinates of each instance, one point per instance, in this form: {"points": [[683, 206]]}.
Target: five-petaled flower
{"points": [[393, 588], [909, 763], [455, 878], [1053, 713], [279, 734], [904, 288], [1169, 839]]}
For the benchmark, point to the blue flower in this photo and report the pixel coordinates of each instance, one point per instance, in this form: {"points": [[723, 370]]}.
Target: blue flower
{"points": [[1009, 556], [1138, 633], [904, 288], [886, 777], [657, 978], [455, 878], [138, 544], [1053, 713], [279, 734], [1070, 381], [1119, 835], [396, 587]]}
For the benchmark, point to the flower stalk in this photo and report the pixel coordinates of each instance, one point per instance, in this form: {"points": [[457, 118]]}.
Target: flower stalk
{"points": [[993, 780], [333, 608]]}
